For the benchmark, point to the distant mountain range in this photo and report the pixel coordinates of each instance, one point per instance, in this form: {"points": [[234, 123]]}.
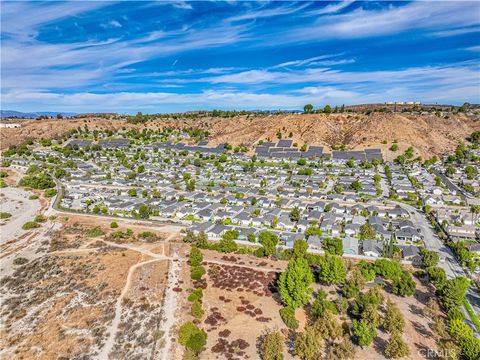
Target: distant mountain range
{"points": [[31, 115]]}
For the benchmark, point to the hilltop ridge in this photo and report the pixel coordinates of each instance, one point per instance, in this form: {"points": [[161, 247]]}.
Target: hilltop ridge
{"points": [[428, 133]]}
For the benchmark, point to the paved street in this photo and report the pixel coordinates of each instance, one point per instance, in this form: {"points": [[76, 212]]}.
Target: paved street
{"points": [[450, 265]]}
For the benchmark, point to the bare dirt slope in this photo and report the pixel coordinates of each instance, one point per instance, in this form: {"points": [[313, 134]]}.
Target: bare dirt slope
{"points": [[428, 134]]}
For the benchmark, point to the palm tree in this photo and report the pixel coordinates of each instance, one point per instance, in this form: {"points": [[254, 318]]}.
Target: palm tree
{"points": [[474, 210]]}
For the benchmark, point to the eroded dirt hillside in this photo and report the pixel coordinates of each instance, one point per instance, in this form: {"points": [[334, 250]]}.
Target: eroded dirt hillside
{"points": [[428, 134]]}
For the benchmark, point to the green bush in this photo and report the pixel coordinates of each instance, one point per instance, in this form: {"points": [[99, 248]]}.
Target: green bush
{"points": [[3, 174], [196, 295], [33, 197], [3, 184], [113, 225], [197, 341], [197, 272], [37, 181], [197, 310], [30, 225], [147, 234], [388, 269], [288, 316], [50, 193], [192, 337], [195, 257], [40, 218], [5, 215], [94, 232]]}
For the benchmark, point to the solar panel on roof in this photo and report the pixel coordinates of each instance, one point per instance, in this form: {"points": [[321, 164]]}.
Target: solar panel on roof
{"points": [[372, 150], [377, 156], [284, 143]]}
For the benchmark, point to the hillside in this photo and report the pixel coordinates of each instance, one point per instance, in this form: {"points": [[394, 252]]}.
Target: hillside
{"points": [[428, 134]]}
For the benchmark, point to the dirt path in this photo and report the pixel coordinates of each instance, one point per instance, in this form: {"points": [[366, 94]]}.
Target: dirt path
{"points": [[113, 328], [15, 201], [169, 308]]}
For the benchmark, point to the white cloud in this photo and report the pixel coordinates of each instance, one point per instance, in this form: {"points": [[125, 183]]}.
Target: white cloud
{"points": [[473, 48], [330, 9], [367, 23], [111, 24], [262, 12], [182, 5], [305, 61], [455, 32]]}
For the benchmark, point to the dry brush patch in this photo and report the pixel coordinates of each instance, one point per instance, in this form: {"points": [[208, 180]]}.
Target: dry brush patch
{"points": [[61, 305], [142, 312], [239, 304]]}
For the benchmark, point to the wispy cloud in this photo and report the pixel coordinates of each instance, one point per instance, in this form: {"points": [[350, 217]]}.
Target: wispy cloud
{"points": [[265, 12], [391, 20], [111, 24], [182, 5]]}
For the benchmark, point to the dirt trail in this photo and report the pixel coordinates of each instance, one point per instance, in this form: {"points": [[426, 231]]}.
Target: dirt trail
{"points": [[15, 201], [113, 328], [169, 308]]}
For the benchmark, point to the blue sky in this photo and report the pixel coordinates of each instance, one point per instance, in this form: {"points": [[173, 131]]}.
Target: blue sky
{"points": [[130, 56]]}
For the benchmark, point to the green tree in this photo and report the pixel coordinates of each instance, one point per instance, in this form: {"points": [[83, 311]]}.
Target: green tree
{"points": [[223, 158], [328, 327], [404, 285], [190, 185], [227, 244], [308, 345], [342, 350], [356, 185], [367, 232], [300, 248], [192, 337], [294, 283], [272, 346], [370, 315], [393, 320], [327, 109], [269, 242], [288, 317], [332, 269], [396, 347], [453, 293], [295, 215], [458, 329], [471, 172], [195, 257], [364, 333], [470, 347], [144, 211], [388, 268], [197, 311], [307, 109], [321, 305], [333, 246], [429, 258]]}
